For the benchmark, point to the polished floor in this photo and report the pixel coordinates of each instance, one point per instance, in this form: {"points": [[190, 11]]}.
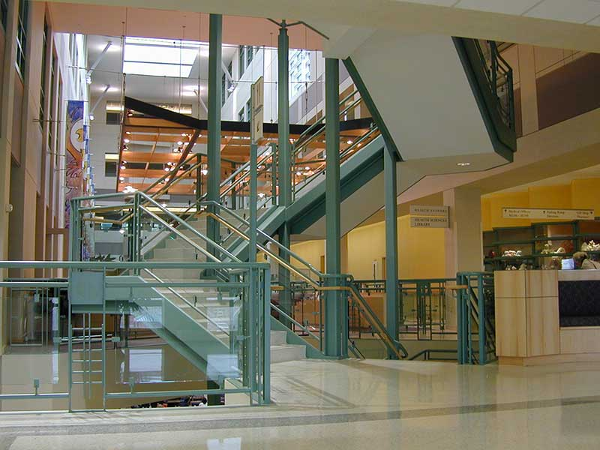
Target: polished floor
{"points": [[371, 404]]}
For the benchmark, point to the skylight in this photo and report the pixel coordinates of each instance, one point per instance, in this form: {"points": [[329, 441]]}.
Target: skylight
{"points": [[159, 57]]}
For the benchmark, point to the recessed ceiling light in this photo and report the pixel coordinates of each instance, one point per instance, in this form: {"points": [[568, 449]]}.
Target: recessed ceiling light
{"points": [[463, 164]]}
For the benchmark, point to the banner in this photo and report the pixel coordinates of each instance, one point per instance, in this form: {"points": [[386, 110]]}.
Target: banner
{"points": [[75, 143]]}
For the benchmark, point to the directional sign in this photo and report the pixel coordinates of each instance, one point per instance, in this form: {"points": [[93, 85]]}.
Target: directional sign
{"points": [[257, 95], [548, 213], [437, 211]]}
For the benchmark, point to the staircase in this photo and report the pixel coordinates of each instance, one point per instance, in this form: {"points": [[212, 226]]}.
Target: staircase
{"points": [[281, 351]]}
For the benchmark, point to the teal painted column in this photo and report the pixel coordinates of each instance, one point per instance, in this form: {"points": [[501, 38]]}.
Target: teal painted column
{"points": [[336, 305], [391, 244], [214, 123], [285, 162]]}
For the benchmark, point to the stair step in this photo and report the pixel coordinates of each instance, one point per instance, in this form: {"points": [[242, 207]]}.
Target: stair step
{"points": [[278, 338], [282, 353]]}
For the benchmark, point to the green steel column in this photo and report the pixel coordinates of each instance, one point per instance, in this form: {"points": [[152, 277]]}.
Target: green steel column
{"points": [[336, 309], [253, 202], [214, 122], [391, 244], [283, 117], [285, 163]]}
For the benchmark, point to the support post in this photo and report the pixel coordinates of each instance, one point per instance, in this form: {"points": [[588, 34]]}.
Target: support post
{"points": [[214, 124], [253, 201], [336, 306], [285, 171], [391, 246]]}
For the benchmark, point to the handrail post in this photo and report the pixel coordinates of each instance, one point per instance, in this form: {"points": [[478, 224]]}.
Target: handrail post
{"points": [[481, 315]]}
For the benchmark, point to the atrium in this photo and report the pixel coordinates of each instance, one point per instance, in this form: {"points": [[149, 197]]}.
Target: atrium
{"points": [[305, 225]]}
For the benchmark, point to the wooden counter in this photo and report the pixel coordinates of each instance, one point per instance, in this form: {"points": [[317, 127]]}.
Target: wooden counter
{"points": [[528, 328]]}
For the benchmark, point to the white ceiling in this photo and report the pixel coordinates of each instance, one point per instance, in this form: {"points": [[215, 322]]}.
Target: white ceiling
{"points": [[573, 11]]}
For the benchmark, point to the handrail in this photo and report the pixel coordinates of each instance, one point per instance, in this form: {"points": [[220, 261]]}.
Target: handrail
{"points": [[181, 297], [295, 322], [188, 226], [322, 119], [298, 145], [392, 344], [343, 155], [269, 238]]}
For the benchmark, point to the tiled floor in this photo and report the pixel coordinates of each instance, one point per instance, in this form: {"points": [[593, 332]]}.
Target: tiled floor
{"points": [[366, 405]]}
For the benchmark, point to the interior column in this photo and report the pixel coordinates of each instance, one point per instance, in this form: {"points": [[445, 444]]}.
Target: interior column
{"points": [[214, 123], [391, 244]]}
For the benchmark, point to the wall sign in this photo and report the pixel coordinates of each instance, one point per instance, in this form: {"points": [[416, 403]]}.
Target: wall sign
{"points": [[548, 213], [429, 216], [429, 222], [435, 211]]}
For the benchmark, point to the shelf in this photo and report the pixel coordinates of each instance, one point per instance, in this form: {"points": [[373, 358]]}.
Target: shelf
{"points": [[555, 238]]}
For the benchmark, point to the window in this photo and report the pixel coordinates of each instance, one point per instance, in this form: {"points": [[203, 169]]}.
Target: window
{"points": [[241, 115], [4, 12], [113, 118], [249, 54], [110, 169], [43, 74], [223, 89], [248, 107], [51, 109], [241, 61], [22, 36]]}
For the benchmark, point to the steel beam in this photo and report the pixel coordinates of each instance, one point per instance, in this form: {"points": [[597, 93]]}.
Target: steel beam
{"points": [[214, 123], [336, 311], [391, 244]]}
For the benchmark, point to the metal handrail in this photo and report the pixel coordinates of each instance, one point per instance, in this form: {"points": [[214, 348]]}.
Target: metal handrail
{"points": [[295, 322], [270, 239], [188, 226], [390, 342], [187, 302], [343, 155]]}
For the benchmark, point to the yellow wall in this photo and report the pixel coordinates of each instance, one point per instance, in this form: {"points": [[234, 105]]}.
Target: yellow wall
{"points": [[580, 194], [421, 251], [584, 194]]}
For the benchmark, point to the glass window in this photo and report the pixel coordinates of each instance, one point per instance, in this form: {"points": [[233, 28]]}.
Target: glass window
{"points": [[248, 107], [241, 61], [22, 36], [43, 74], [249, 54], [241, 115], [4, 12]]}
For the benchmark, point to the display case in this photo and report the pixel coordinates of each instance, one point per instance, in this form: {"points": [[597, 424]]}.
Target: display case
{"points": [[541, 245]]}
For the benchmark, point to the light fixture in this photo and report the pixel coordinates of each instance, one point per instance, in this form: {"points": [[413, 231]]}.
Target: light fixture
{"points": [[121, 178], [179, 143], [167, 169], [261, 194], [231, 88], [122, 231], [307, 168], [123, 167], [463, 164], [204, 172], [91, 117], [126, 140], [298, 173], [349, 141], [174, 149], [183, 134], [164, 205]]}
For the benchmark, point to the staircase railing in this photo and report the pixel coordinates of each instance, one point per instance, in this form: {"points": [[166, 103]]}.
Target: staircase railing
{"points": [[475, 318], [347, 281]]}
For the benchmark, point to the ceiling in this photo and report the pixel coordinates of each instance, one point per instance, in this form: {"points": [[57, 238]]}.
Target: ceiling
{"points": [[568, 24], [158, 23], [563, 179], [573, 11], [152, 89]]}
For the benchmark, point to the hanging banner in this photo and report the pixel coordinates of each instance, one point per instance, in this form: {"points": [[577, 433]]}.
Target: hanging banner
{"points": [[256, 117], [546, 213], [75, 143]]}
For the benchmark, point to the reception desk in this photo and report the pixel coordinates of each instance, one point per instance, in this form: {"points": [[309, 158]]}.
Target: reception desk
{"points": [[547, 316]]}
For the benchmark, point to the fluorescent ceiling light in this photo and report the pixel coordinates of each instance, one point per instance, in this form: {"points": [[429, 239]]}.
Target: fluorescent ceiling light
{"points": [[157, 70]]}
